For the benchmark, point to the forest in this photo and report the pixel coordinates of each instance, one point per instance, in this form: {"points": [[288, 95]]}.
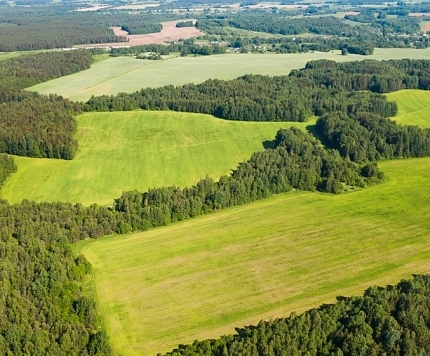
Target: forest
{"points": [[45, 306], [384, 321], [36, 125]]}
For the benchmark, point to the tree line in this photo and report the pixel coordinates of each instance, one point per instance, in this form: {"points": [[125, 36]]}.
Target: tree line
{"points": [[7, 167], [36, 125], [248, 98], [384, 321]]}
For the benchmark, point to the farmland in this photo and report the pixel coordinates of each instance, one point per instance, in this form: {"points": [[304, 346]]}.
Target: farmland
{"points": [[414, 106], [139, 150], [201, 278], [125, 74]]}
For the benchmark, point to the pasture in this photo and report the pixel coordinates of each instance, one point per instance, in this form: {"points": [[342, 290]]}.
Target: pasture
{"points": [[203, 277], [139, 150], [414, 107], [126, 74]]}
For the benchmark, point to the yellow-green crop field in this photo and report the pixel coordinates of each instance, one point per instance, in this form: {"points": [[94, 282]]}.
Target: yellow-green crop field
{"points": [[414, 107], [126, 74], [203, 277], [120, 151]]}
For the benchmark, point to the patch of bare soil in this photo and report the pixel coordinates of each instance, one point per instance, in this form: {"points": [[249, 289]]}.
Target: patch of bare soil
{"points": [[169, 33], [417, 14], [341, 15], [425, 27]]}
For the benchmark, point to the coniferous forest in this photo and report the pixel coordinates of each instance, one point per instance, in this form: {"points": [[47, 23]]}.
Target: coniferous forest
{"points": [[44, 307]]}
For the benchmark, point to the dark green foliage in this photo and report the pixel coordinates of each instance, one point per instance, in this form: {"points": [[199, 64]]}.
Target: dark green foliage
{"points": [[185, 24], [7, 167], [369, 138], [143, 28], [36, 125], [28, 70], [248, 98], [384, 321], [43, 311]]}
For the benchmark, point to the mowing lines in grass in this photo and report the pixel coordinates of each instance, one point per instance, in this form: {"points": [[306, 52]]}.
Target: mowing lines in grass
{"points": [[125, 74], [413, 105], [139, 150], [201, 278]]}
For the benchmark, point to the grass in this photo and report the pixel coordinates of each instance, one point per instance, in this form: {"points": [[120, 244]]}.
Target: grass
{"points": [[139, 150], [204, 277], [414, 107], [126, 74]]}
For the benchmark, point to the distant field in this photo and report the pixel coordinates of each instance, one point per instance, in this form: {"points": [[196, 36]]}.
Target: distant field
{"points": [[125, 74], [139, 150], [414, 107], [204, 277]]}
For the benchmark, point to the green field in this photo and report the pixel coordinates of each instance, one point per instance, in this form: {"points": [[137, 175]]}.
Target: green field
{"points": [[139, 150], [203, 277], [126, 74], [414, 107]]}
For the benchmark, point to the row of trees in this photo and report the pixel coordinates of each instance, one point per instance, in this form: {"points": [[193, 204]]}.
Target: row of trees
{"points": [[7, 167], [43, 306], [142, 28], [248, 98], [35, 125], [384, 321]]}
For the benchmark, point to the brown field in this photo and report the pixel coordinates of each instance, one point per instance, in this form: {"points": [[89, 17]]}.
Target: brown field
{"points": [[169, 33], [94, 8], [341, 15], [269, 6], [416, 14], [135, 7], [425, 26]]}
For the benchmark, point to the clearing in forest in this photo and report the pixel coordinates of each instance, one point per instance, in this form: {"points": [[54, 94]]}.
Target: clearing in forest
{"points": [[120, 151], [414, 106]]}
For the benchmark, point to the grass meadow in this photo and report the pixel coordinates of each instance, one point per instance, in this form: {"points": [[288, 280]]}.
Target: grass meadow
{"points": [[126, 74], [414, 107], [203, 277], [123, 151]]}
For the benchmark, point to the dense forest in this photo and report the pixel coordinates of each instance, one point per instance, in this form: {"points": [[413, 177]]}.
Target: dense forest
{"points": [[7, 167], [57, 26], [384, 321], [36, 125], [248, 98]]}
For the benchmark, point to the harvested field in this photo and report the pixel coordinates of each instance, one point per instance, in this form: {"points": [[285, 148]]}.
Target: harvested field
{"points": [[135, 7], [417, 14], [94, 8], [341, 15], [169, 33], [278, 6], [425, 26]]}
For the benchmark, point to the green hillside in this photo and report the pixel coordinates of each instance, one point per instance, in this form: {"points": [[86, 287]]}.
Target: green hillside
{"points": [[139, 150], [125, 74], [201, 278]]}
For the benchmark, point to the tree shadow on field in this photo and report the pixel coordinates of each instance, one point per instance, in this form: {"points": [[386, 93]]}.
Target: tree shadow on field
{"points": [[269, 144]]}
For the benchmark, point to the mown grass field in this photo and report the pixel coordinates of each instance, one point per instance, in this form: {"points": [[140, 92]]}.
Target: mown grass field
{"points": [[139, 150], [126, 74], [414, 107], [204, 277]]}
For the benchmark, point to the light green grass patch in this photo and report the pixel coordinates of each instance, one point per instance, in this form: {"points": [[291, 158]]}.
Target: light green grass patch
{"points": [[123, 151], [413, 107], [202, 278], [126, 74]]}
